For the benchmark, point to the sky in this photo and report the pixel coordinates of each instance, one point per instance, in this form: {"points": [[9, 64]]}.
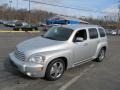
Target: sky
{"points": [[95, 5]]}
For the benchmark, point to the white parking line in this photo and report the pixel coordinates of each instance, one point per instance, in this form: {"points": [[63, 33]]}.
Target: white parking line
{"points": [[73, 80]]}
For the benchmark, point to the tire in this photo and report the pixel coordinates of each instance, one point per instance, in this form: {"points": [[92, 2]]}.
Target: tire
{"points": [[101, 55], [55, 70]]}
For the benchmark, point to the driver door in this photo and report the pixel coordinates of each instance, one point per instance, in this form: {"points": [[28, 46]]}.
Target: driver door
{"points": [[81, 49]]}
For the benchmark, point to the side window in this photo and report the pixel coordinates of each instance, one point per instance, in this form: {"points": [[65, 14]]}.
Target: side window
{"points": [[82, 34], [102, 33], [93, 33]]}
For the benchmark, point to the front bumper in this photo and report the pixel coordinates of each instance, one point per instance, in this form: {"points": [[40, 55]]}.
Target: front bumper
{"points": [[28, 68]]}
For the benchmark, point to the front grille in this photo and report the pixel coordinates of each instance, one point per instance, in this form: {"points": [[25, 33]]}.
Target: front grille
{"points": [[19, 55]]}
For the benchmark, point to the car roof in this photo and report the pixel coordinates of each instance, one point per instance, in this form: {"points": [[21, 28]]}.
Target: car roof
{"points": [[79, 26]]}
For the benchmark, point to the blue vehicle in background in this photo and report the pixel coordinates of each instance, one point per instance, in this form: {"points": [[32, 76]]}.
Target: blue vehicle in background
{"points": [[65, 20], [62, 20]]}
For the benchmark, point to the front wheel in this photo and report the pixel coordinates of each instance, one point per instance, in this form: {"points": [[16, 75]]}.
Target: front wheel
{"points": [[101, 55], [55, 70]]}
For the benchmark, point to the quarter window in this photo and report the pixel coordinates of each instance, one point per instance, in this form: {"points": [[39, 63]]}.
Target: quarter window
{"points": [[102, 33], [93, 33]]}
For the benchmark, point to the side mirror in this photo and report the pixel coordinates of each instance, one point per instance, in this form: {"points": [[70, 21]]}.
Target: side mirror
{"points": [[79, 39]]}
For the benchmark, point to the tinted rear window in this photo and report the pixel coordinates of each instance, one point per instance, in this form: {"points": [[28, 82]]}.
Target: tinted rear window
{"points": [[93, 33], [102, 33]]}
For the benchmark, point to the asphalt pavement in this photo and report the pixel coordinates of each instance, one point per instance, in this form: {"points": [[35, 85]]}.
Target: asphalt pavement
{"points": [[89, 76]]}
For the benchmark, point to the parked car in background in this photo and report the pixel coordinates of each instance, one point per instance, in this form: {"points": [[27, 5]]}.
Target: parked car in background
{"points": [[4, 22], [40, 24], [61, 48], [108, 31], [25, 27], [29, 27], [114, 32], [19, 25], [1, 21], [10, 23]]}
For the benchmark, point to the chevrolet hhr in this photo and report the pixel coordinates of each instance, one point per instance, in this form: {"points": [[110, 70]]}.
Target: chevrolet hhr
{"points": [[60, 48]]}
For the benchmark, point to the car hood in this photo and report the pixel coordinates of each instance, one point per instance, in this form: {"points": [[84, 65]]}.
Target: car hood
{"points": [[40, 44]]}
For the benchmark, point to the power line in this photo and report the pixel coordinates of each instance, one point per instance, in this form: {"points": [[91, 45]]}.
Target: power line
{"points": [[10, 1], [55, 5]]}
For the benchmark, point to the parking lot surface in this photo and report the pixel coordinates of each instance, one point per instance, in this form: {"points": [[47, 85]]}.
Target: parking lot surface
{"points": [[89, 76]]}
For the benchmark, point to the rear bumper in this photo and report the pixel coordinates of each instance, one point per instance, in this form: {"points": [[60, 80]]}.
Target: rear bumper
{"points": [[30, 69]]}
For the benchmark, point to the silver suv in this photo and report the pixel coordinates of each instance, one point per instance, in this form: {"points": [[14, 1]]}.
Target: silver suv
{"points": [[59, 49]]}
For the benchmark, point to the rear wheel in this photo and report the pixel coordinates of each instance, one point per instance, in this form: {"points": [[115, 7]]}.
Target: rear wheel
{"points": [[55, 70], [101, 55]]}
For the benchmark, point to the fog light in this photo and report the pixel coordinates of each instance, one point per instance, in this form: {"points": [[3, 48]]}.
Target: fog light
{"points": [[29, 74]]}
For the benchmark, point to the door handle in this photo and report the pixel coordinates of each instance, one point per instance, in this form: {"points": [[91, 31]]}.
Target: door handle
{"points": [[85, 44]]}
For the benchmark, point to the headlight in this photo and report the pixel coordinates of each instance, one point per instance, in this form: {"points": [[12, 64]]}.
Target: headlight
{"points": [[36, 58]]}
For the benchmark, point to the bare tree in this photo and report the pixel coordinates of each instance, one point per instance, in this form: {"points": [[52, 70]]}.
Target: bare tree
{"points": [[22, 14]]}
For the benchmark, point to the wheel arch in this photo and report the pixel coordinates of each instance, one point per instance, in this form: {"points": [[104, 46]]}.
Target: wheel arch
{"points": [[62, 58], [99, 48], [104, 47]]}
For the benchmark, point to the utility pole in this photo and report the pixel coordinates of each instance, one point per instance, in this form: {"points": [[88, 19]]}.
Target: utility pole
{"points": [[119, 11], [10, 3], [118, 26], [106, 21], [29, 10]]}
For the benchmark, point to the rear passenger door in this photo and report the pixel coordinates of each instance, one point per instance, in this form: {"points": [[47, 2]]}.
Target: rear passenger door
{"points": [[93, 41]]}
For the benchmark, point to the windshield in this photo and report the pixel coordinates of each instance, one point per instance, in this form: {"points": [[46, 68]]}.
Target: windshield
{"points": [[58, 33]]}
